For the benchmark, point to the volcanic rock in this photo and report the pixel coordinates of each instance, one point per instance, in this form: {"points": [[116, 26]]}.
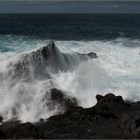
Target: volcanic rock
{"points": [[39, 63], [15, 129], [110, 118], [59, 98]]}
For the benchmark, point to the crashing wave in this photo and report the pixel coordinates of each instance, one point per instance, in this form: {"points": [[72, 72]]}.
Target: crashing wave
{"points": [[27, 89], [48, 59]]}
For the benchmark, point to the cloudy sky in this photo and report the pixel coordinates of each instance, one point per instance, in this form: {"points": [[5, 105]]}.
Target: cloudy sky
{"points": [[69, 6]]}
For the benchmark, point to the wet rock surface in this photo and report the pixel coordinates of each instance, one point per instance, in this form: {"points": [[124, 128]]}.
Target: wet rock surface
{"points": [[111, 117], [63, 100], [39, 63], [58, 99]]}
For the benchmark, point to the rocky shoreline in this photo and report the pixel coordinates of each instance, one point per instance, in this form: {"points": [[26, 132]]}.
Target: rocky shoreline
{"points": [[111, 117]]}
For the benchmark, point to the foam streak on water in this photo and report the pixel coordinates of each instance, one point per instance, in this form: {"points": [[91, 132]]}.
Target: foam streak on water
{"points": [[116, 70]]}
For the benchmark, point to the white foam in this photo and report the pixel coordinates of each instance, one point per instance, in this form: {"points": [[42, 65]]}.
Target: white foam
{"points": [[116, 70]]}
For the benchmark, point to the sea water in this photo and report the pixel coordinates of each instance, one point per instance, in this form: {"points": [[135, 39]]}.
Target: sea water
{"points": [[115, 39]]}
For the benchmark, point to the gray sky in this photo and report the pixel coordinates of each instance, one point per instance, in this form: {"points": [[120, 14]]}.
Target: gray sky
{"points": [[69, 6]]}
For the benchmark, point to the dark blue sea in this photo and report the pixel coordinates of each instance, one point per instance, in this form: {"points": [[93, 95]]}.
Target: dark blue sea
{"points": [[71, 26]]}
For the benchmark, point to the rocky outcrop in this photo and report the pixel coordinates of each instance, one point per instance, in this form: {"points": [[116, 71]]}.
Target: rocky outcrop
{"points": [[90, 55], [15, 129], [59, 99], [38, 64], [110, 118]]}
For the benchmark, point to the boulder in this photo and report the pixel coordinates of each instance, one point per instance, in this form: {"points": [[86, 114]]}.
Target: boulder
{"points": [[92, 55], [64, 100], [39, 63], [18, 130]]}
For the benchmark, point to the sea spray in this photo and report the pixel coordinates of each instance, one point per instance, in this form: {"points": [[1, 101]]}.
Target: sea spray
{"points": [[117, 70], [27, 82]]}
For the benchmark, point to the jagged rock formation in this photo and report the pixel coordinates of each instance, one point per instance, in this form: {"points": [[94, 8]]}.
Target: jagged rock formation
{"points": [[40, 63], [111, 117], [61, 100], [58, 97]]}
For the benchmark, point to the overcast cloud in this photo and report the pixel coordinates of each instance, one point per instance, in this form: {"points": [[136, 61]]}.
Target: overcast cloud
{"points": [[69, 6]]}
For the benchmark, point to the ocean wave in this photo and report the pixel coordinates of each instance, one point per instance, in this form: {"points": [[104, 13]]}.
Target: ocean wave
{"points": [[26, 82], [117, 70]]}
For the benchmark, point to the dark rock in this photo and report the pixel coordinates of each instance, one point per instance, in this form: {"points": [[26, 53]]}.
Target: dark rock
{"points": [[137, 122], [1, 119], [59, 97], [120, 99], [92, 55], [17, 130], [109, 98], [96, 122], [99, 97], [48, 50], [32, 65], [2, 135], [110, 118], [110, 105], [56, 94], [51, 44], [41, 120]]}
